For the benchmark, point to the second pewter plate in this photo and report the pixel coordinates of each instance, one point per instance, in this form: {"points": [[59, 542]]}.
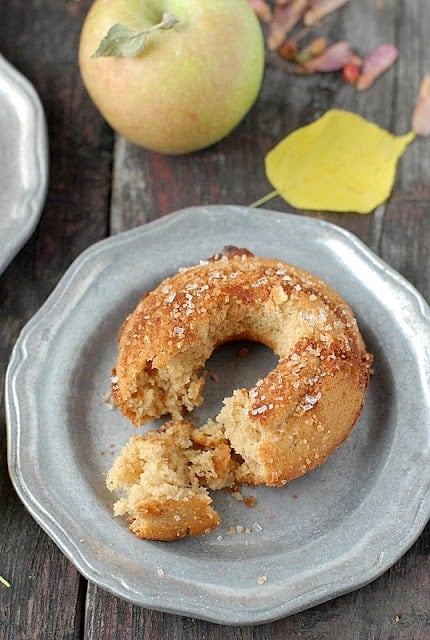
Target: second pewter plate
{"points": [[324, 534], [23, 161]]}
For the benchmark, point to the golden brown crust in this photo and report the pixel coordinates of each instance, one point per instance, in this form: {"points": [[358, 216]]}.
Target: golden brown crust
{"points": [[290, 421], [173, 519]]}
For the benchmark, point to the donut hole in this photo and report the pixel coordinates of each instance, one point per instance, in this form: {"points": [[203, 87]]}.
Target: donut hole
{"points": [[172, 385]]}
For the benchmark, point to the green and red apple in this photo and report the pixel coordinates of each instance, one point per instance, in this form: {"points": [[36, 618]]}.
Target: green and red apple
{"points": [[172, 76]]}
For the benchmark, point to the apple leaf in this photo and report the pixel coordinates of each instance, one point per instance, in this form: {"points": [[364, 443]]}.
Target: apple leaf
{"points": [[125, 42]]}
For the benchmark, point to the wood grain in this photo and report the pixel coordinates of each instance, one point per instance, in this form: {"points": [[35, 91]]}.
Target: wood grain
{"points": [[47, 596], [100, 185]]}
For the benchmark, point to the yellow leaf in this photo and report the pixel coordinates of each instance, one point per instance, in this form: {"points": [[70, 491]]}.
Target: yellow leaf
{"points": [[340, 162]]}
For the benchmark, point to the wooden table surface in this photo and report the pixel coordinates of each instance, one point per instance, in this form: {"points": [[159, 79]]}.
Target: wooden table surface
{"points": [[101, 185]]}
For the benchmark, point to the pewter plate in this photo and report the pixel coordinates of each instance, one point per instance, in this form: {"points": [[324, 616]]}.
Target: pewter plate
{"points": [[325, 534], [23, 161]]}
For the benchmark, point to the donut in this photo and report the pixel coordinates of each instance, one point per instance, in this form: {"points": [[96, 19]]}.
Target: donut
{"points": [[290, 421]]}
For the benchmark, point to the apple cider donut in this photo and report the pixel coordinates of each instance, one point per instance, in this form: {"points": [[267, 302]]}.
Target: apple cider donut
{"points": [[291, 420]]}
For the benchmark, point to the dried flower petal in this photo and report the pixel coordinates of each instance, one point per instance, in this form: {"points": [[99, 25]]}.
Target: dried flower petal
{"points": [[375, 64], [313, 49], [421, 114], [262, 10], [356, 60], [351, 73], [285, 18], [340, 162], [321, 8], [289, 49], [333, 58]]}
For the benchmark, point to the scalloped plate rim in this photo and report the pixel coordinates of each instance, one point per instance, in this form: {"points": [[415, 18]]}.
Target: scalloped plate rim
{"points": [[33, 197]]}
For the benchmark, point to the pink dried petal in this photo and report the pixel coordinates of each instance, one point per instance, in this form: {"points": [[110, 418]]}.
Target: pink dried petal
{"points": [[376, 63], [356, 60], [421, 114], [333, 58], [285, 17], [262, 10], [321, 8]]}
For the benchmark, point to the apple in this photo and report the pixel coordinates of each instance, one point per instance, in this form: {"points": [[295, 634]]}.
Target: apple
{"points": [[172, 76]]}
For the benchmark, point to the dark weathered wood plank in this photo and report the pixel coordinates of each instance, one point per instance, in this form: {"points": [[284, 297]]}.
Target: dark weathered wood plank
{"points": [[406, 237], [46, 599], [405, 245], [47, 595]]}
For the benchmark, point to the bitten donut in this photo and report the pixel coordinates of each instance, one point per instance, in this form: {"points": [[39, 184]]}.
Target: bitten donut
{"points": [[292, 419]]}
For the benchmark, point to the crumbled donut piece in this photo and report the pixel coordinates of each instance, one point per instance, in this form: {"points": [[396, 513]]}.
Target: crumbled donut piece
{"points": [[165, 474]]}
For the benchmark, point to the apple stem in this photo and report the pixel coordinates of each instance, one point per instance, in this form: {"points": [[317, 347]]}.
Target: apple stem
{"points": [[124, 42]]}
